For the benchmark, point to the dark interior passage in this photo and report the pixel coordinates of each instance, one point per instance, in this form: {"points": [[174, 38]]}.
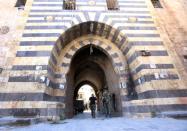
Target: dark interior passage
{"points": [[90, 65]]}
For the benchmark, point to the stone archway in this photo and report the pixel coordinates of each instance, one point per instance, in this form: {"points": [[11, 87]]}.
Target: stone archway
{"points": [[107, 40], [94, 67]]}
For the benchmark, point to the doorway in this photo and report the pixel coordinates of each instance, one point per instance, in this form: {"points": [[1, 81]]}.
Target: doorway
{"points": [[92, 66]]}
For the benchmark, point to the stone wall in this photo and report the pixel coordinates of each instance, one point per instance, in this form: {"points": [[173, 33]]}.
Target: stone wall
{"points": [[171, 22], [38, 37]]}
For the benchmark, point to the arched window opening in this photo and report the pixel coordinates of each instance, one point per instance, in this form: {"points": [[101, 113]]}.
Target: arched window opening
{"points": [[156, 4], [69, 4], [20, 4], [112, 4]]}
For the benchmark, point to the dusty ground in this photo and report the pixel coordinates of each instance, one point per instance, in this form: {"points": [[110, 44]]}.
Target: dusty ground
{"points": [[84, 122]]}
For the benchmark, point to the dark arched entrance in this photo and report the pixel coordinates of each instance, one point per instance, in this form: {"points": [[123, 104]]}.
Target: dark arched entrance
{"points": [[92, 66]]}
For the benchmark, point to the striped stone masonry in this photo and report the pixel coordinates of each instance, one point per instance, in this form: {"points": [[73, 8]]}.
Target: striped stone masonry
{"points": [[52, 36]]}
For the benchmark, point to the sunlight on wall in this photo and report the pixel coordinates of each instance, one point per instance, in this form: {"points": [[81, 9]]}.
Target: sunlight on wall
{"points": [[85, 92]]}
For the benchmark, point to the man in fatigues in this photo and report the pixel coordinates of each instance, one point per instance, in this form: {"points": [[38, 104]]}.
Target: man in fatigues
{"points": [[106, 103], [93, 105]]}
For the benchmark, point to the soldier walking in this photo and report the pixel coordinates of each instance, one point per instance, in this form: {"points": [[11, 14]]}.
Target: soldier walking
{"points": [[93, 105], [106, 103]]}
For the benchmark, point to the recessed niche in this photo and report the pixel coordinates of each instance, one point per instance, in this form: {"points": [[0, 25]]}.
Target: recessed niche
{"points": [[4, 29], [132, 19], [145, 53]]}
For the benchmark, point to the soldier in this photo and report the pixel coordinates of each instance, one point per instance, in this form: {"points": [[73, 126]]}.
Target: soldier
{"points": [[100, 106], [93, 105], [106, 103]]}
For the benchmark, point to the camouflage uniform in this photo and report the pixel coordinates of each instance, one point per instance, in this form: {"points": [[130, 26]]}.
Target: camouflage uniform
{"points": [[106, 103]]}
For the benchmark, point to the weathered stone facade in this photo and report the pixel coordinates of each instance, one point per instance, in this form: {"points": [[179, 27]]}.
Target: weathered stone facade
{"points": [[138, 52]]}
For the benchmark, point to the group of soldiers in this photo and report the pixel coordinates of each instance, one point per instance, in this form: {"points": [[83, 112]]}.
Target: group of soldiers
{"points": [[106, 103]]}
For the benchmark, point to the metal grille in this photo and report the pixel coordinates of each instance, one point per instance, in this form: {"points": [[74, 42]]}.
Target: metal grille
{"points": [[69, 4]]}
